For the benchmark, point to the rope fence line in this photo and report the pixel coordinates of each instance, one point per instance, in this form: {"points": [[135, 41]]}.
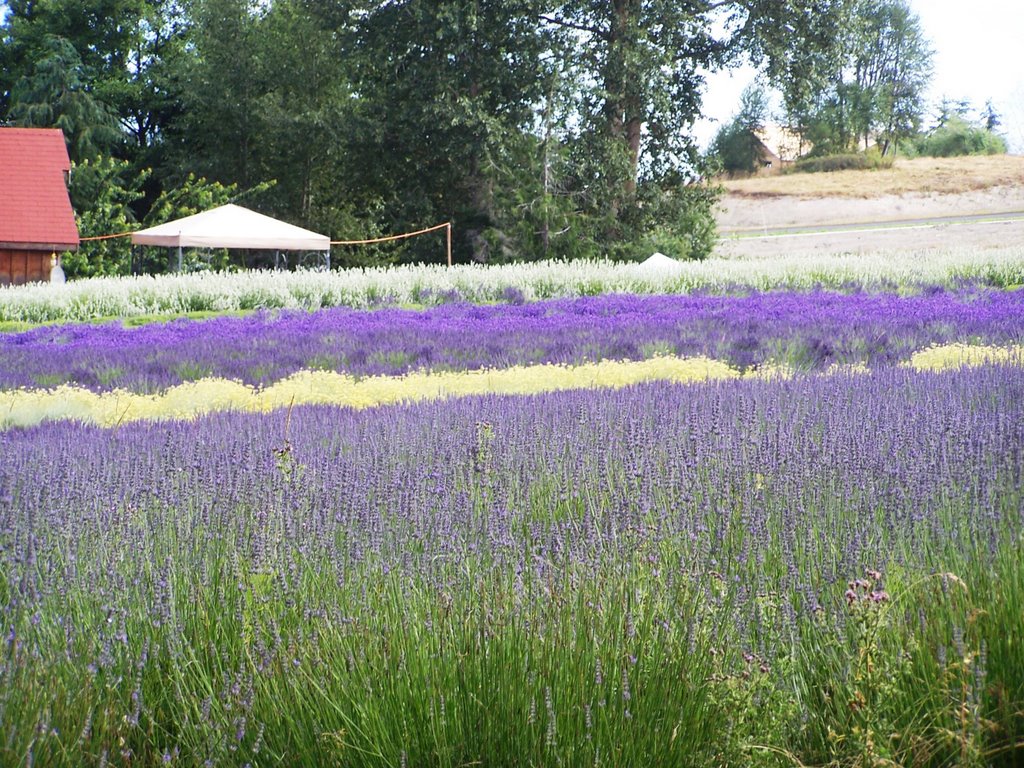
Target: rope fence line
{"points": [[389, 238], [386, 239], [103, 237]]}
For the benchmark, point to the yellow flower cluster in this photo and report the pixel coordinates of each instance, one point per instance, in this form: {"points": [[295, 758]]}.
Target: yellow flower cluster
{"points": [[940, 358], [27, 407]]}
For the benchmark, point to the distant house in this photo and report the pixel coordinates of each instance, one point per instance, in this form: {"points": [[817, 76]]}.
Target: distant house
{"points": [[36, 219], [779, 147]]}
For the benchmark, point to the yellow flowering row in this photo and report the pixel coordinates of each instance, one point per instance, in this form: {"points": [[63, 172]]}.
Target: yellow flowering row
{"points": [[27, 407], [940, 358], [23, 407]]}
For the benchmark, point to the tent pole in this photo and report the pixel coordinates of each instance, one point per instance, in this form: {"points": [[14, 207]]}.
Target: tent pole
{"points": [[181, 263], [449, 231]]}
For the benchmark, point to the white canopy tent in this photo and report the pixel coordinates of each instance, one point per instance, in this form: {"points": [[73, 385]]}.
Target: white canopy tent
{"points": [[659, 262], [231, 226]]}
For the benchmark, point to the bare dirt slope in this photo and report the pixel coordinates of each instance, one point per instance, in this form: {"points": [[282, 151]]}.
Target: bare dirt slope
{"points": [[755, 214], [924, 175]]}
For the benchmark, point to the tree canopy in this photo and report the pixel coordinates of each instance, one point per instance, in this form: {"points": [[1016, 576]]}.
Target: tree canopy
{"points": [[541, 129], [870, 87]]}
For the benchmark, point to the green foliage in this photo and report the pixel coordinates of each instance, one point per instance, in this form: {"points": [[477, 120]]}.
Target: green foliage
{"points": [[803, 45], [844, 162], [870, 85], [216, 131], [541, 130], [990, 117], [956, 137], [145, 89], [363, 220], [681, 222], [736, 150], [639, 76], [304, 114], [124, 52], [440, 133], [893, 68], [55, 94], [102, 193]]}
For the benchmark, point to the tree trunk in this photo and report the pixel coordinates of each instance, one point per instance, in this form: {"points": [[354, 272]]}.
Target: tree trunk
{"points": [[623, 102], [545, 230], [633, 133]]}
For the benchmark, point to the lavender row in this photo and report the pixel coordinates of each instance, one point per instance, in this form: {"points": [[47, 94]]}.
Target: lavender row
{"points": [[561, 579], [804, 330], [792, 484], [169, 295]]}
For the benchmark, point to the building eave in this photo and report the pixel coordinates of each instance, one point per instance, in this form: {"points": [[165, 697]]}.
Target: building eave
{"points": [[38, 246]]}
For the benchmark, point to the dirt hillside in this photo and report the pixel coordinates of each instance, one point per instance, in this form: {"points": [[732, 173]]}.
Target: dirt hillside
{"points": [[924, 175], [915, 204]]}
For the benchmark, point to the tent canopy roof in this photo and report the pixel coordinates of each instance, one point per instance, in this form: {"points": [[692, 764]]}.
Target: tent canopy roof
{"points": [[660, 261], [232, 226]]}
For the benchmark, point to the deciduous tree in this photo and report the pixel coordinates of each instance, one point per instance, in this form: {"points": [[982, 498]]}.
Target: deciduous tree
{"points": [[736, 146], [446, 92], [869, 84]]}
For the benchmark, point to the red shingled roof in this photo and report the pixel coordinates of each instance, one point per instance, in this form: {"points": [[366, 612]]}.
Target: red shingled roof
{"points": [[35, 210]]}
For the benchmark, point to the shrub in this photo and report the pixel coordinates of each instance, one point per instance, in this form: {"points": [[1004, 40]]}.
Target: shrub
{"points": [[871, 159], [957, 137], [736, 149]]}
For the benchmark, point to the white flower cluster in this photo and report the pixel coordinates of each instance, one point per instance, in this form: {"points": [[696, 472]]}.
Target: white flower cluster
{"points": [[433, 284]]}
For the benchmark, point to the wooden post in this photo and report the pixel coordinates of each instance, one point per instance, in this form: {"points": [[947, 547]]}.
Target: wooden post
{"points": [[448, 229]]}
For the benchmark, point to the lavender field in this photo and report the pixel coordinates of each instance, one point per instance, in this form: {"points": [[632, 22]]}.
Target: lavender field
{"points": [[820, 569], [648, 575], [806, 331]]}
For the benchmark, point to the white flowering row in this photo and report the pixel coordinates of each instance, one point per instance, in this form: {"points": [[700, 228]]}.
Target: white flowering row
{"points": [[431, 284]]}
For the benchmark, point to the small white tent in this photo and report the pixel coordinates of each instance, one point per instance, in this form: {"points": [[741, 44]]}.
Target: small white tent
{"points": [[660, 262], [232, 226]]}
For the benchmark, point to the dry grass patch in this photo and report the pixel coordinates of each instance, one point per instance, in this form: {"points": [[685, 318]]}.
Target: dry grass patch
{"points": [[922, 175]]}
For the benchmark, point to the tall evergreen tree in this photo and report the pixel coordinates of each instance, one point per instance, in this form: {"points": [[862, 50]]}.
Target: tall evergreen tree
{"points": [[56, 94], [117, 43]]}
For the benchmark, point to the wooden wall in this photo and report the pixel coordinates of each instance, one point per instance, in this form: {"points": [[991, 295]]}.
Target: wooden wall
{"points": [[18, 267]]}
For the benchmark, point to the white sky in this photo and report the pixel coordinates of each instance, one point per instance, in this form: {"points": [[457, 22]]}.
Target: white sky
{"points": [[979, 55]]}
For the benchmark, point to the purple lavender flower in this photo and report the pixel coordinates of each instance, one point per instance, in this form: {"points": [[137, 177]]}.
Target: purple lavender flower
{"points": [[808, 330]]}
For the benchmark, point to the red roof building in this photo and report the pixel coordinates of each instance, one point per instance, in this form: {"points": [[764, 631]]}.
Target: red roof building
{"points": [[36, 219]]}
